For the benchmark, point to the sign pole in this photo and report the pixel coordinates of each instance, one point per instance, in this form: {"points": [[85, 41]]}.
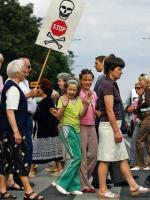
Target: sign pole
{"points": [[43, 66]]}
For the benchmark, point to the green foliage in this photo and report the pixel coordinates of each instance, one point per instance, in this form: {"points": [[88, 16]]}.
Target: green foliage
{"points": [[18, 32]]}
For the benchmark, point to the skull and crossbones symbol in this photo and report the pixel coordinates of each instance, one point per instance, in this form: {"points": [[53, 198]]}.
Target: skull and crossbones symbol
{"points": [[54, 40], [59, 27], [65, 9]]}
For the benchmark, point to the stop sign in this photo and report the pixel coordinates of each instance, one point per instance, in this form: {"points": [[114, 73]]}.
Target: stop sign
{"points": [[58, 27]]}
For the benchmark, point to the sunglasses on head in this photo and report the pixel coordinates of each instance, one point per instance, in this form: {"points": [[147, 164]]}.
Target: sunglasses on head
{"points": [[137, 88]]}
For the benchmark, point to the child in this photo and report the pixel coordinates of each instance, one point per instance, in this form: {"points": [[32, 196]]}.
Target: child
{"points": [[89, 143], [70, 110]]}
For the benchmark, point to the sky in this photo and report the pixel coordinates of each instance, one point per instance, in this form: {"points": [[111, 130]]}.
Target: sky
{"points": [[121, 27]]}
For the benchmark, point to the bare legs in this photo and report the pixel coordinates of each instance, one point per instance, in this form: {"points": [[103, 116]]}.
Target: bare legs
{"points": [[103, 170], [102, 174], [3, 181], [124, 167], [58, 166]]}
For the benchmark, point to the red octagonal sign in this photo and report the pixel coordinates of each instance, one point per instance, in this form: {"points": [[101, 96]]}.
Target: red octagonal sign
{"points": [[58, 28]]}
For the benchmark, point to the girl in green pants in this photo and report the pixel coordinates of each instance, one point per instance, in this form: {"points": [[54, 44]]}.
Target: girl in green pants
{"points": [[70, 110]]}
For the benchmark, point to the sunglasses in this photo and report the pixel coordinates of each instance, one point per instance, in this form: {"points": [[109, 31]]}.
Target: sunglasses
{"points": [[137, 88]]}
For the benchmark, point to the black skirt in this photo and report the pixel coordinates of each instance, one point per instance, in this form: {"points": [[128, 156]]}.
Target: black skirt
{"points": [[13, 157]]}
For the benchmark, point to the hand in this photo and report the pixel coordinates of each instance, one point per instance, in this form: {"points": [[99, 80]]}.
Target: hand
{"points": [[130, 109], [53, 111], [33, 92], [118, 136], [18, 137], [97, 113], [55, 94], [65, 100], [87, 99]]}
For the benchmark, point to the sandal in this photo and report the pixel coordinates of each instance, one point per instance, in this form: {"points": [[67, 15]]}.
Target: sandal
{"points": [[6, 195], [140, 190], [36, 197], [15, 186], [31, 174], [108, 195]]}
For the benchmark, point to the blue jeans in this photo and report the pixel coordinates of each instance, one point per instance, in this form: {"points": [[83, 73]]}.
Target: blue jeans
{"points": [[132, 156]]}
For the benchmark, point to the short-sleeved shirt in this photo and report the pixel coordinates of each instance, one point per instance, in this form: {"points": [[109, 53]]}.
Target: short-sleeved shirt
{"points": [[89, 118], [13, 97], [24, 85], [71, 113], [109, 87]]}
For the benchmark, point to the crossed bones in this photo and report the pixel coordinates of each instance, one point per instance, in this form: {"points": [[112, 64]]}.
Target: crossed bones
{"points": [[54, 40]]}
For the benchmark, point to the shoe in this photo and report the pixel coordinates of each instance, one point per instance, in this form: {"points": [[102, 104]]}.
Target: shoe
{"points": [[121, 184], [36, 166], [76, 192], [31, 174], [55, 174], [89, 190], [6, 195], [36, 197], [53, 183], [61, 190], [135, 168], [131, 165], [140, 190], [51, 169], [146, 168], [147, 180], [108, 195]]}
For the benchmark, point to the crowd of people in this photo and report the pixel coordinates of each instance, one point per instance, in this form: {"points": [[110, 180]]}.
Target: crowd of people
{"points": [[77, 128]]}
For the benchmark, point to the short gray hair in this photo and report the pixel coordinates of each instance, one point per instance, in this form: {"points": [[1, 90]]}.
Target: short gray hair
{"points": [[14, 66], [64, 76]]}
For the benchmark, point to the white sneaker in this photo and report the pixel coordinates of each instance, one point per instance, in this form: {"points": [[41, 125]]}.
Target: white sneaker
{"points": [[135, 168], [61, 190], [53, 183], [76, 192], [146, 168]]}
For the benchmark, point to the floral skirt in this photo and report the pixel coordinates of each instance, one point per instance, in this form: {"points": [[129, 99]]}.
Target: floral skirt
{"points": [[13, 157]]}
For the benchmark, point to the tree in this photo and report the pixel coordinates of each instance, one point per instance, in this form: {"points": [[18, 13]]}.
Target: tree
{"points": [[18, 32]]}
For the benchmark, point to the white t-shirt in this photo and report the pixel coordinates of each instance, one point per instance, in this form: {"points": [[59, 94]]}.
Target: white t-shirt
{"points": [[13, 97], [24, 85]]}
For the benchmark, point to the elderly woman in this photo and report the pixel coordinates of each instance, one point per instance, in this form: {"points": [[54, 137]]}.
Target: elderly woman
{"points": [[62, 79], [111, 143], [13, 152]]}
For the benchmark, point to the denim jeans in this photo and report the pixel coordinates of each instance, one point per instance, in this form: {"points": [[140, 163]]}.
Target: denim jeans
{"points": [[133, 148]]}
